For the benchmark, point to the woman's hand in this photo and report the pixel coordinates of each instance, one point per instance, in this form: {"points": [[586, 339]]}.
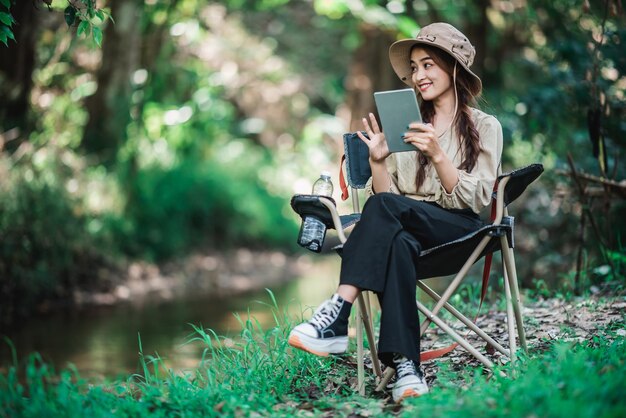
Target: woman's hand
{"points": [[423, 137], [376, 143]]}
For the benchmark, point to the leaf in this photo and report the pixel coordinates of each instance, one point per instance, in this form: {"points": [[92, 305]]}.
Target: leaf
{"points": [[7, 4], [91, 7], [70, 15], [6, 18], [7, 32], [100, 15], [97, 35], [84, 27]]}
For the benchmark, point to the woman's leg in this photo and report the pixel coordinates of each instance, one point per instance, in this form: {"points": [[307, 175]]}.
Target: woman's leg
{"points": [[399, 321], [348, 292], [381, 255], [327, 330]]}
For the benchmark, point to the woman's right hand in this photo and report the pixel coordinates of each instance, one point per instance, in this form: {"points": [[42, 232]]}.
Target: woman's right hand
{"points": [[376, 143]]}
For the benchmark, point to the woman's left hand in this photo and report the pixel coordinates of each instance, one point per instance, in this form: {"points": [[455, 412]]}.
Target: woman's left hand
{"points": [[424, 138]]}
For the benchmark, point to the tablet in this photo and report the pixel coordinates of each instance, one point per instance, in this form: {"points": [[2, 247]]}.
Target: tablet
{"points": [[397, 109]]}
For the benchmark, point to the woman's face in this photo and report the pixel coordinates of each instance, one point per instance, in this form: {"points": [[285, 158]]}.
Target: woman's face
{"points": [[432, 82]]}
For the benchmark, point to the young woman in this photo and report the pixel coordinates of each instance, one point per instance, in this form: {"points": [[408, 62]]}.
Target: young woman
{"points": [[418, 200]]}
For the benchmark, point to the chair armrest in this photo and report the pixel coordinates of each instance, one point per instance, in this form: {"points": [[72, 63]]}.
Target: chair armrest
{"points": [[321, 207], [519, 180], [511, 185]]}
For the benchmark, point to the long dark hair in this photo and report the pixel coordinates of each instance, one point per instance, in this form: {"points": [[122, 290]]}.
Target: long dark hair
{"points": [[463, 123]]}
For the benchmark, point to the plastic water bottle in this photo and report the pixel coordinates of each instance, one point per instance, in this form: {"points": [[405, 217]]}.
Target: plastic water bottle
{"points": [[313, 231], [323, 186]]}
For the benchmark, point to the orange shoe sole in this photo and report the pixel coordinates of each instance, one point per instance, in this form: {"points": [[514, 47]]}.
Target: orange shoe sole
{"points": [[409, 393], [294, 341]]}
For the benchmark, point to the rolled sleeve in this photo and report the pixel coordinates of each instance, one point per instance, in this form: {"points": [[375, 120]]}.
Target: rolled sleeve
{"points": [[474, 189]]}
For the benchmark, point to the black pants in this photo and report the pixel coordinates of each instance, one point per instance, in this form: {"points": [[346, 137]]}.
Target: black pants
{"points": [[381, 255]]}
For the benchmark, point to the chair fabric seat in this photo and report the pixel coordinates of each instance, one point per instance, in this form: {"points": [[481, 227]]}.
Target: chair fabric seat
{"points": [[447, 259], [349, 220]]}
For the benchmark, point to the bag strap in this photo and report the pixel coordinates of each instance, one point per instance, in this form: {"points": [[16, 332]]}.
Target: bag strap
{"points": [[432, 354], [342, 180]]}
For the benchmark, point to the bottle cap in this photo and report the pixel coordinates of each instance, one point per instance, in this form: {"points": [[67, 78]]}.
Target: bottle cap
{"points": [[325, 173]]}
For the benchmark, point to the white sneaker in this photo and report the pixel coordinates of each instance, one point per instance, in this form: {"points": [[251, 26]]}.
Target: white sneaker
{"points": [[410, 381], [327, 331]]}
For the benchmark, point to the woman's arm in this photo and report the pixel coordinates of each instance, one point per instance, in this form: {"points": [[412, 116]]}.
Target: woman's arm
{"points": [[381, 180], [447, 172], [424, 138]]}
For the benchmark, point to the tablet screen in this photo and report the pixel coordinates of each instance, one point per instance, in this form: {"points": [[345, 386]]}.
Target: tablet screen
{"points": [[397, 109]]}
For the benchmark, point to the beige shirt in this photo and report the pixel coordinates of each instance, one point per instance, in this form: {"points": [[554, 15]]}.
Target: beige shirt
{"points": [[473, 189]]}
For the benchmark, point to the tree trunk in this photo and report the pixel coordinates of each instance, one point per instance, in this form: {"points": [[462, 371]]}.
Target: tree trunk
{"points": [[370, 71], [17, 63], [109, 108], [478, 32]]}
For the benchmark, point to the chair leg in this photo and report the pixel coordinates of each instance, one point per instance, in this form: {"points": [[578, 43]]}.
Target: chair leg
{"points": [[359, 350], [455, 336], [456, 281], [510, 321], [364, 308], [470, 324], [389, 372], [509, 263], [364, 321]]}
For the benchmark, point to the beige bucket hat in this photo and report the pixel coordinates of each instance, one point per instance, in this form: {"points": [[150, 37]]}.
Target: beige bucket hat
{"points": [[440, 35]]}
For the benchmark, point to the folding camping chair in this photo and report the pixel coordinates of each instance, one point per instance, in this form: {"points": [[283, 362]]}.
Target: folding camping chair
{"points": [[452, 258]]}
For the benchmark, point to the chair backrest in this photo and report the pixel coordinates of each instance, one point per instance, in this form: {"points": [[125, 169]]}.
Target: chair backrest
{"points": [[357, 160]]}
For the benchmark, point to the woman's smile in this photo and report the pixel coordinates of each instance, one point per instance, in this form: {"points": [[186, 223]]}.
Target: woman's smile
{"points": [[424, 86]]}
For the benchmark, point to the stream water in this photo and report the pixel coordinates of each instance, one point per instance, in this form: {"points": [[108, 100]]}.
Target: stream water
{"points": [[104, 341]]}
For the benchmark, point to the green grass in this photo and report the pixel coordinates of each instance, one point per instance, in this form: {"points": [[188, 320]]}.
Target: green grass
{"points": [[258, 374]]}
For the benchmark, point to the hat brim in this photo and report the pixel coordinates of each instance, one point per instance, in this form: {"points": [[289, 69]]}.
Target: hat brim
{"points": [[400, 57]]}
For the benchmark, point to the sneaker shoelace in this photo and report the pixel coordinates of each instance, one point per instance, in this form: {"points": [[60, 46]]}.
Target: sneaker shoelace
{"points": [[405, 368], [325, 314]]}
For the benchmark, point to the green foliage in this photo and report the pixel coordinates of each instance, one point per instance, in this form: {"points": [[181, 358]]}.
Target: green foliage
{"points": [[87, 17], [196, 204], [575, 57], [568, 380], [6, 22], [258, 373], [44, 251], [83, 14]]}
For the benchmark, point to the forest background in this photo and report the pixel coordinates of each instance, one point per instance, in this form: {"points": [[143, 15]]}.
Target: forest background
{"points": [[182, 125]]}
